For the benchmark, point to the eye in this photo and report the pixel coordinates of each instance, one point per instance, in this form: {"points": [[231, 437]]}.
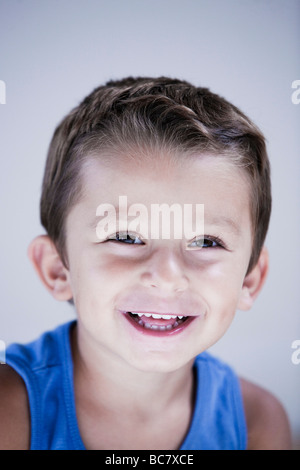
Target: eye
{"points": [[206, 242], [125, 237]]}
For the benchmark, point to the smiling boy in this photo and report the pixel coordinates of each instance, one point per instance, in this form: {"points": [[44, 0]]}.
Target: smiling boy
{"points": [[132, 371]]}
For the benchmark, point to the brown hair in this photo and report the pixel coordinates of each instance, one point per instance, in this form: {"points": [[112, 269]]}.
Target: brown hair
{"points": [[161, 112]]}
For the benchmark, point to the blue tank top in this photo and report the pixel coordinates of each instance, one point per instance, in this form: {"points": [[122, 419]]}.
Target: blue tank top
{"points": [[46, 367]]}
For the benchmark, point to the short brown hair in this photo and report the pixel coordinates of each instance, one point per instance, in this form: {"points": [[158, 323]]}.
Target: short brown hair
{"points": [[155, 112]]}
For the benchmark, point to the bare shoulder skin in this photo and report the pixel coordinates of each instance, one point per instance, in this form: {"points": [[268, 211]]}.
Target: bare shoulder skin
{"points": [[14, 411], [267, 422]]}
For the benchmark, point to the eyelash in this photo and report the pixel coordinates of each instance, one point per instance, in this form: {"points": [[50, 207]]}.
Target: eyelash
{"points": [[122, 240], [216, 242]]}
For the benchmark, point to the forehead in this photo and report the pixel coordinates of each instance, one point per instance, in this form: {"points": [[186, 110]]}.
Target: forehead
{"points": [[168, 178], [111, 171]]}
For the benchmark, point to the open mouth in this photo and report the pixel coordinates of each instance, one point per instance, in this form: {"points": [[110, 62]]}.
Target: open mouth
{"points": [[158, 324]]}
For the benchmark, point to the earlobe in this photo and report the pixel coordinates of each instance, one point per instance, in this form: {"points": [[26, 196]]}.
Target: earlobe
{"points": [[49, 267], [254, 281]]}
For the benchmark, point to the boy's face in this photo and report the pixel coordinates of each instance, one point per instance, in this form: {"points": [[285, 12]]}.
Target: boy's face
{"points": [[199, 278]]}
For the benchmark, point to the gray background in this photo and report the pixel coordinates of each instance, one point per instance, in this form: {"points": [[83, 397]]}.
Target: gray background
{"points": [[54, 52]]}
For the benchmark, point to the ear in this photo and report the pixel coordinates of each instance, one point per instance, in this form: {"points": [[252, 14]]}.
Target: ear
{"points": [[50, 268], [254, 281]]}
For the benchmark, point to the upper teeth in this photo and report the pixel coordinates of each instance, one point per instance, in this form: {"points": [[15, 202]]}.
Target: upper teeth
{"points": [[155, 315]]}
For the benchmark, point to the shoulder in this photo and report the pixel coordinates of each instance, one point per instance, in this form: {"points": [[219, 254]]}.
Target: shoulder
{"points": [[267, 422], [14, 411]]}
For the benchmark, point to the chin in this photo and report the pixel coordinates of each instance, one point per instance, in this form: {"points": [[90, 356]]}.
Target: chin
{"points": [[160, 362]]}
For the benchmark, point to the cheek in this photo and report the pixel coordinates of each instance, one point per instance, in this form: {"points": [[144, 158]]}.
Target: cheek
{"points": [[96, 280], [221, 294], [221, 286]]}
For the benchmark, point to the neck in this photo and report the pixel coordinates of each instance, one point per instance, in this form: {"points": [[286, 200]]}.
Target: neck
{"points": [[112, 383]]}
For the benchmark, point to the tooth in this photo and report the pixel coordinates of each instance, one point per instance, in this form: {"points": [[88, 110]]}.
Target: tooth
{"points": [[157, 316], [164, 317]]}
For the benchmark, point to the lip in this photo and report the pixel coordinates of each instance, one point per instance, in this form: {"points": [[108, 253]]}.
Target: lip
{"points": [[159, 312], [158, 333]]}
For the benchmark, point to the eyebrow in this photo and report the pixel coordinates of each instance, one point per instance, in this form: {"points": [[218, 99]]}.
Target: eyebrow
{"points": [[94, 222], [223, 221], [110, 216]]}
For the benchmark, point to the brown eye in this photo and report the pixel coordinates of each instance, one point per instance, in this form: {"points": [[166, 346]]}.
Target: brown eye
{"points": [[205, 242], [125, 237]]}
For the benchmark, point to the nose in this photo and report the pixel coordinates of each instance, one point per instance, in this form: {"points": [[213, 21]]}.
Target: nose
{"points": [[165, 272]]}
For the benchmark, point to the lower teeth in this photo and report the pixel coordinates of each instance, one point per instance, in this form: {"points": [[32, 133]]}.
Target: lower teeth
{"points": [[157, 327]]}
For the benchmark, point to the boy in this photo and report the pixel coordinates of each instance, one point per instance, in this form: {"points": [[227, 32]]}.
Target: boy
{"points": [[132, 372]]}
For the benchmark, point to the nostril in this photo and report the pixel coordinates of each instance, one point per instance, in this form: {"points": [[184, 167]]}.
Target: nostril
{"points": [[178, 284], [179, 290], [147, 280]]}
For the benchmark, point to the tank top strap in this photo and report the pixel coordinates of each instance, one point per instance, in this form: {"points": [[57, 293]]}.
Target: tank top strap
{"points": [[46, 367], [218, 421]]}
